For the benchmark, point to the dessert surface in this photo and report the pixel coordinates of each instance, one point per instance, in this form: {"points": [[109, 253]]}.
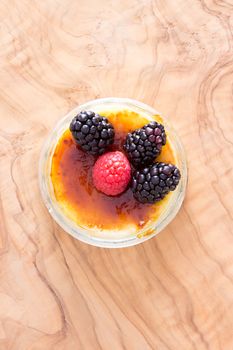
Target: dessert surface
{"points": [[71, 176]]}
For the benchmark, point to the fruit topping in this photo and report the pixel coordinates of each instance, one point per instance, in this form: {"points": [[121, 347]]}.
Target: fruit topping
{"points": [[145, 144], [92, 132], [152, 183], [111, 173]]}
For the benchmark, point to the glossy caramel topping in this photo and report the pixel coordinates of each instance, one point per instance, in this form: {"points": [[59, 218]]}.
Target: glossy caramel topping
{"points": [[71, 175]]}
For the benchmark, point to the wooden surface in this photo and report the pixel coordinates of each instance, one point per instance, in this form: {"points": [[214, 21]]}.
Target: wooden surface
{"points": [[175, 291]]}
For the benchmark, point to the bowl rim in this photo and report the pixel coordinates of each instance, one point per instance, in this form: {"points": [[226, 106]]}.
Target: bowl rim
{"points": [[78, 232]]}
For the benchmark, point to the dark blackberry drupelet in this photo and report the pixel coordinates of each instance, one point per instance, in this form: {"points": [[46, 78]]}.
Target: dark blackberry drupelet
{"points": [[92, 132], [151, 184], [145, 144]]}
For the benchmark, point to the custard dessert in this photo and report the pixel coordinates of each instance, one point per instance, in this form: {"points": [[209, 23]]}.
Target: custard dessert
{"points": [[113, 171]]}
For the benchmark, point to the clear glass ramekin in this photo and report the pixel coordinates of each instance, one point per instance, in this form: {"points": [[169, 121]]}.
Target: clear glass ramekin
{"points": [[83, 234]]}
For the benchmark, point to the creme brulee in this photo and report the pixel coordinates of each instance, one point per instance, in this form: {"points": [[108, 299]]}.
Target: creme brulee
{"points": [[71, 176]]}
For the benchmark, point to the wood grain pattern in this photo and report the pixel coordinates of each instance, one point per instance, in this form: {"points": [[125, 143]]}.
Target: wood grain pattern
{"points": [[174, 291]]}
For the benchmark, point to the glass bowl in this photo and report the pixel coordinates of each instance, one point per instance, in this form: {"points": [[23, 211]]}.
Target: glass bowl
{"points": [[84, 234]]}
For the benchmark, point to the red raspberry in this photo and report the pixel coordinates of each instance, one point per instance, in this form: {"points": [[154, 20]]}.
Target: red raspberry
{"points": [[111, 173]]}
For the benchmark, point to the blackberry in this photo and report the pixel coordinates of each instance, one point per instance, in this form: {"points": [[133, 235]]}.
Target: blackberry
{"points": [[151, 184], [145, 144], [92, 132]]}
